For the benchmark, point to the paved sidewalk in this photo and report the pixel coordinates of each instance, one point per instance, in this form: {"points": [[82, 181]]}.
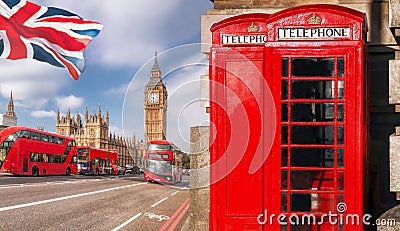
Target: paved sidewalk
{"points": [[185, 226]]}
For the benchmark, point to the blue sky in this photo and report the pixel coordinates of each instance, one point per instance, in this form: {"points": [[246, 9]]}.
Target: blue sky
{"points": [[118, 64]]}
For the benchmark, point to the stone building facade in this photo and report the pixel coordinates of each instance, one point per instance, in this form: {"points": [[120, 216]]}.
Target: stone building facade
{"points": [[93, 131], [9, 118], [384, 63]]}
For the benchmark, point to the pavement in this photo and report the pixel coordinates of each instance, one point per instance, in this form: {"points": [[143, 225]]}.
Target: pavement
{"points": [[185, 226]]}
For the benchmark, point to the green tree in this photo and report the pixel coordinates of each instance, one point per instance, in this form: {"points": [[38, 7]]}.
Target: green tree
{"points": [[186, 161]]}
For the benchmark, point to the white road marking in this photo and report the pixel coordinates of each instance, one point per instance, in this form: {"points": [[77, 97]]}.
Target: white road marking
{"points": [[47, 183], [174, 193], [66, 197], [159, 202], [127, 222]]}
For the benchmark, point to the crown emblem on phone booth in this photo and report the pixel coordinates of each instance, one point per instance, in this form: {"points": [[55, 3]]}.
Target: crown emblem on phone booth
{"points": [[253, 28], [314, 19]]}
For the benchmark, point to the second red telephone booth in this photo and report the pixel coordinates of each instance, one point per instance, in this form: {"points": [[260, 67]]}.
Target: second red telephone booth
{"points": [[301, 75]]}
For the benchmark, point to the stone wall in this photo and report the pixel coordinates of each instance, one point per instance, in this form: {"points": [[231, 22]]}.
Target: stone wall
{"points": [[394, 98], [199, 178]]}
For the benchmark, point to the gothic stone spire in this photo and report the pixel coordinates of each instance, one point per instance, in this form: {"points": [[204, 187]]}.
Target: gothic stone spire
{"points": [[10, 111]]}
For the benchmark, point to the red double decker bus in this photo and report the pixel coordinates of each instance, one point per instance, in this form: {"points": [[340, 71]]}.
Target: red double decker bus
{"points": [[163, 162], [97, 161], [26, 151]]}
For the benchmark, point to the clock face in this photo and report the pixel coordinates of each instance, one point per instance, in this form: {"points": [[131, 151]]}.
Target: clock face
{"points": [[153, 97]]}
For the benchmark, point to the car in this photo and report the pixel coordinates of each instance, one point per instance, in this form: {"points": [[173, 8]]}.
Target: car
{"points": [[121, 170], [141, 170], [129, 169]]}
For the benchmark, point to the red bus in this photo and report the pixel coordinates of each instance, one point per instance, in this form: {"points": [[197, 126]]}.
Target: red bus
{"points": [[97, 161], [163, 162], [26, 151]]}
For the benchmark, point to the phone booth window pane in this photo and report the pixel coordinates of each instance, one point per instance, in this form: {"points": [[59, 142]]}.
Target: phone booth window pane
{"points": [[300, 202], [285, 66], [340, 180], [303, 112], [340, 64], [284, 202], [284, 157], [285, 89], [312, 89], [306, 179], [306, 157], [322, 202], [284, 179], [340, 135], [328, 158], [311, 112], [284, 134], [340, 154], [284, 112], [315, 134], [327, 112], [313, 67], [340, 89], [340, 112]]}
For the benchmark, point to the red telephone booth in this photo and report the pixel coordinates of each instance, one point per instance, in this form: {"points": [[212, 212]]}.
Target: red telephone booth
{"points": [[288, 98]]}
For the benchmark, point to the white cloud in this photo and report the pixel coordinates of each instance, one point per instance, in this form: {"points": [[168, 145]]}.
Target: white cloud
{"points": [[133, 30], [69, 102], [119, 90], [31, 82], [43, 114]]}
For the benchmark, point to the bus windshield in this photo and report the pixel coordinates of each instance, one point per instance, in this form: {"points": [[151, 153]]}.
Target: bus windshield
{"points": [[161, 168], [159, 147], [83, 155]]}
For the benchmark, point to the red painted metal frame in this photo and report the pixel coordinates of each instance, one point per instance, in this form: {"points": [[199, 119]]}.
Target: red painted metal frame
{"points": [[355, 121]]}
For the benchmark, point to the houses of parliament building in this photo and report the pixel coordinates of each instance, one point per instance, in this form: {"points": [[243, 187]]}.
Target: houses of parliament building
{"points": [[93, 131]]}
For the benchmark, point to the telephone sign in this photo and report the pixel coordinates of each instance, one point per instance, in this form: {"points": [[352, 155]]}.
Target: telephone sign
{"points": [[288, 100]]}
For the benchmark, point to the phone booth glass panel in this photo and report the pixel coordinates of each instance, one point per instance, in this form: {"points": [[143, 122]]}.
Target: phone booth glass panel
{"points": [[313, 71]]}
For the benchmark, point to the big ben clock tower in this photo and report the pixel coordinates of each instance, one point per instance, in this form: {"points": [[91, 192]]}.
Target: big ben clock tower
{"points": [[155, 106]]}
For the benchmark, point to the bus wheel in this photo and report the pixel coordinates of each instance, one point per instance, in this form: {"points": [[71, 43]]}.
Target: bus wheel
{"points": [[35, 171], [68, 172]]}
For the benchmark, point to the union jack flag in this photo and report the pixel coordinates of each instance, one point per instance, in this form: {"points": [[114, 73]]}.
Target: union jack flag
{"points": [[47, 34]]}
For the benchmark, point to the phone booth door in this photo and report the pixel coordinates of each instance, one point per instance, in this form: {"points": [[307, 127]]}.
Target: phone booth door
{"points": [[319, 85], [317, 155], [239, 103]]}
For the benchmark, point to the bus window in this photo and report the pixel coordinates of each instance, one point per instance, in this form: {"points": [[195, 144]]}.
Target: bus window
{"points": [[74, 160], [59, 140], [159, 147], [44, 138], [36, 157], [13, 137], [45, 158], [35, 136], [24, 134]]}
